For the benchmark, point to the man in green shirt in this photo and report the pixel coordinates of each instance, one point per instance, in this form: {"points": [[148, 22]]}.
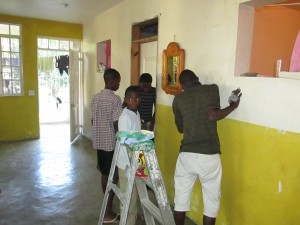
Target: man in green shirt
{"points": [[196, 111]]}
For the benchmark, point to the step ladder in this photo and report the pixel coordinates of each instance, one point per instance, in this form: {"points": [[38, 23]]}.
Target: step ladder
{"points": [[160, 212]]}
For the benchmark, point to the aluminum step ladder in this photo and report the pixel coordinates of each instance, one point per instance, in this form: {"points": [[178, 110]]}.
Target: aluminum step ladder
{"points": [[159, 212]]}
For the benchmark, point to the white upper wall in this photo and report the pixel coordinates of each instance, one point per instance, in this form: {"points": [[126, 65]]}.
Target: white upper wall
{"points": [[207, 31]]}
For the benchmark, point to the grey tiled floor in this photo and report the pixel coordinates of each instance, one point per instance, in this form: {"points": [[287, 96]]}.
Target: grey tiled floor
{"points": [[50, 181]]}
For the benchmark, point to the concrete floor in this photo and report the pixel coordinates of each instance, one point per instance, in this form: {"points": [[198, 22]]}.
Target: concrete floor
{"points": [[50, 181]]}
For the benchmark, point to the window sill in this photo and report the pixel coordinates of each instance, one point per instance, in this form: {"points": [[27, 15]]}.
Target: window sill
{"points": [[289, 75], [283, 74]]}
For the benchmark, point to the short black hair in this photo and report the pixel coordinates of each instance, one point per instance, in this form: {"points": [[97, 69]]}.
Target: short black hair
{"points": [[111, 74], [187, 76], [146, 78], [132, 89]]}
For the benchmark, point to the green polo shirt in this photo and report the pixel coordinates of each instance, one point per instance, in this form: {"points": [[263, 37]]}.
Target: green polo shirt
{"points": [[190, 111]]}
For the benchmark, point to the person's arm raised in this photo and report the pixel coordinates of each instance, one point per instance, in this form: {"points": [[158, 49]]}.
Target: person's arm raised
{"points": [[215, 114]]}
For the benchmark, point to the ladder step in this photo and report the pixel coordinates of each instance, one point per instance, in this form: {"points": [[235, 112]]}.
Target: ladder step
{"points": [[153, 209], [118, 193]]}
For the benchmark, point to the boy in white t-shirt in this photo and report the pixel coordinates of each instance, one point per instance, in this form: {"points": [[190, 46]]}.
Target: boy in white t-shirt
{"points": [[129, 121]]}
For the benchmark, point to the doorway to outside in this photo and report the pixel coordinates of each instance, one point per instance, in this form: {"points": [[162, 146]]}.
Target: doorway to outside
{"points": [[56, 74]]}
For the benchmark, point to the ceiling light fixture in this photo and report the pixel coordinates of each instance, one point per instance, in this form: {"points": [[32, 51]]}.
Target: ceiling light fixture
{"points": [[65, 5]]}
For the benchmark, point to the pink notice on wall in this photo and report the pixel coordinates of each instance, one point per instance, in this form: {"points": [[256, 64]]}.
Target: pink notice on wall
{"points": [[103, 56], [108, 54], [295, 59]]}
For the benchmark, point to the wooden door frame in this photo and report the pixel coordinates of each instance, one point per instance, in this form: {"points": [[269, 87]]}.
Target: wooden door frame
{"points": [[136, 42]]}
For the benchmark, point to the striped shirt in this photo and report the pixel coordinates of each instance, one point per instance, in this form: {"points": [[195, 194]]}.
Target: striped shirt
{"points": [[106, 108], [147, 103], [190, 111]]}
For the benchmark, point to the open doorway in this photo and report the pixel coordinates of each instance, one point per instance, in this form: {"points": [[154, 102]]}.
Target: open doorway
{"points": [[144, 61], [148, 60], [56, 72], [144, 50], [54, 103]]}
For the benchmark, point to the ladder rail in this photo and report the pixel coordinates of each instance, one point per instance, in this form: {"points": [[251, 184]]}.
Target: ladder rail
{"points": [[118, 193], [109, 183], [151, 208], [144, 199], [129, 188], [159, 188]]}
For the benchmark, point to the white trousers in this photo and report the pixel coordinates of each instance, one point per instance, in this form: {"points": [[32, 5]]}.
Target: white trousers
{"points": [[208, 169]]}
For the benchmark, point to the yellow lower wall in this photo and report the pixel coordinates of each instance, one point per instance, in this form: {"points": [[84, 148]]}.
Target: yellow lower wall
{"points": [[19, 115], [261, 172]]}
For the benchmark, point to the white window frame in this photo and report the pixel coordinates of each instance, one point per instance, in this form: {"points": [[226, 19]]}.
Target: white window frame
{"points": [[13, 90]]}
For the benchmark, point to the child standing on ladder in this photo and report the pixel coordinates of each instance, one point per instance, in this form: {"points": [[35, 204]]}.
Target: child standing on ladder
{"points": [[129, 121]]}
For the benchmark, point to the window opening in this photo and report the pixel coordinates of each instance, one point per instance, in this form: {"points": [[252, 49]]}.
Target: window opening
{"points": [[267, 33], [10, 64]]}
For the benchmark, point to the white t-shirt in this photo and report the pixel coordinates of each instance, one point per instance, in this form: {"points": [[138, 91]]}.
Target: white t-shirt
{"points": [[128, 121]]}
